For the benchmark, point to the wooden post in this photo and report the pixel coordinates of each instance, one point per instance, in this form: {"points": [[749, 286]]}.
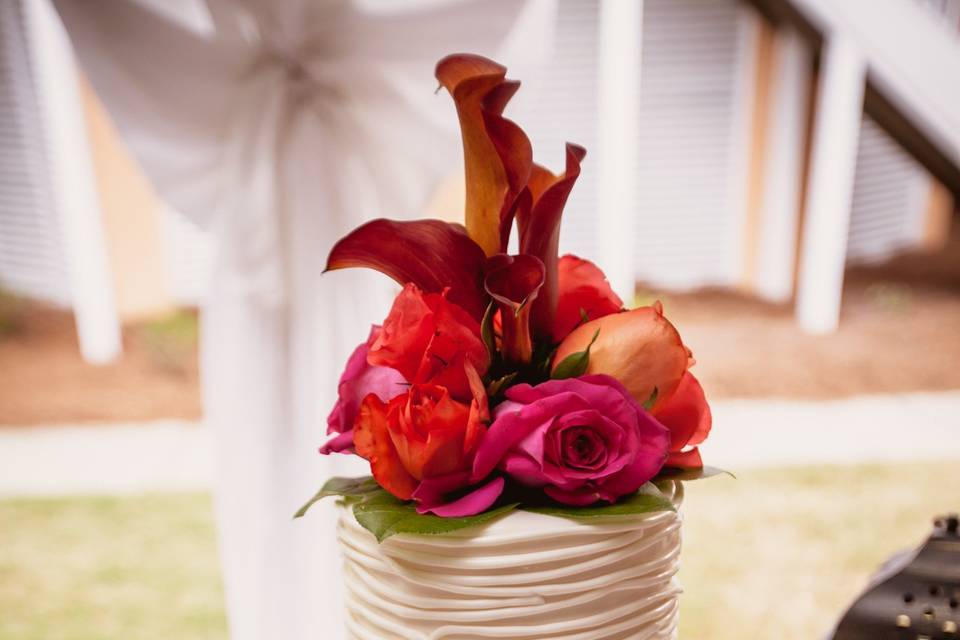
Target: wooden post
{"points": [[836, 128], [618, 137], [783, 174], [74, 185]]}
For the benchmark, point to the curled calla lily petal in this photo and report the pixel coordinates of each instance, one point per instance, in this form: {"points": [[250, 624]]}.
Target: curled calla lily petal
{"points": [[497, 154], [540, 231], [431, 254], [640, 348], [514, 283]]}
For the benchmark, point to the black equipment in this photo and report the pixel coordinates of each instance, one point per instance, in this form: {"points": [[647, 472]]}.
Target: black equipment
{"points": [[916, 596]]}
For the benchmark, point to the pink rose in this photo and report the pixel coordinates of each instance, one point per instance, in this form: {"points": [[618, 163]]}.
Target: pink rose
{"points": [[580, 439], [358, 380]]}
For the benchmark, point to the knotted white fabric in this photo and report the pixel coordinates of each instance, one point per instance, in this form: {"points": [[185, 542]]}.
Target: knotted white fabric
{"points": [[280, 126]]}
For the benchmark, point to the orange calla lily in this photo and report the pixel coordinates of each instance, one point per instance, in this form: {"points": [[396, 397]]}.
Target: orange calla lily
{"points": [[640, 348], [497, 154]]}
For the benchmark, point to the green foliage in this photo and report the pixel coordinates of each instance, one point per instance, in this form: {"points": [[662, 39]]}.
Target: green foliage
{"points": [[685, 475], [384, 515], [348, 489], [171, 340], [500, 385], [648, 499], [575, 364]]}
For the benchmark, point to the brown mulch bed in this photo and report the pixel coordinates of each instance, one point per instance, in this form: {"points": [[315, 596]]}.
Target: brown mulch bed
{"points": [[900, 331], [44, 380]]}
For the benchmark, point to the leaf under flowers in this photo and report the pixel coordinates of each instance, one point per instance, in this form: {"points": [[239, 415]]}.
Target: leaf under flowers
{"points": [[432, 254], [348, 489], [648, 499], [686, 475], [384, 515]]}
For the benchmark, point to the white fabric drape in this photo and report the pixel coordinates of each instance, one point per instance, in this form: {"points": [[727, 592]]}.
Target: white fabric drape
{"points": [[280, 126]]}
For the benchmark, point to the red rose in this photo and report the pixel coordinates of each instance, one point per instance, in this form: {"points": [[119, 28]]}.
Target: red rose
{"points": [[583, 289], [427, 338]]}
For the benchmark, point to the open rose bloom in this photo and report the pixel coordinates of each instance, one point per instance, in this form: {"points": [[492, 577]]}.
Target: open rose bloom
{"points": [[499, 376]]}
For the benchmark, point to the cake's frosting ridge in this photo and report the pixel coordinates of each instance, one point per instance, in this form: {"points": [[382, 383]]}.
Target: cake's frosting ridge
{"points": [[524, 576]]}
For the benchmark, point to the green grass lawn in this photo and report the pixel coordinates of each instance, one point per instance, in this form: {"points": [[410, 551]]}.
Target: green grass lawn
{"points": [[773, 554]]}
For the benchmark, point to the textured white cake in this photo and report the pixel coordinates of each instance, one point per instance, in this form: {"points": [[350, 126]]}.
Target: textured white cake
{"points": [[524, 575]]}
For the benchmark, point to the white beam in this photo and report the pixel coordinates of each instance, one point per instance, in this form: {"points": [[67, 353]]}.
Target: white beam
{"points": [[783, 174], [833, 160], [74, 185], [617, 163]]}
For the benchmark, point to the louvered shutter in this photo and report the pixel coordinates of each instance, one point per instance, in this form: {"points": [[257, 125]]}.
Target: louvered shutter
{"points": [[565, 110], [889, 194], [694, 97], [31, 258]]}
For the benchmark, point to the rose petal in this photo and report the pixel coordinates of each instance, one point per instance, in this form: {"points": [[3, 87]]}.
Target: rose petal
{"points": [[582, 289], [342, 442], [471, 504], [687, 415], [685, 459], [372, 440], [509, 427]]}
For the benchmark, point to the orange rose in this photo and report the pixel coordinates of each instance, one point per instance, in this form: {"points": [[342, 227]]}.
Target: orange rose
{"points": [[419, 435], [644, 351], [427, 338]]}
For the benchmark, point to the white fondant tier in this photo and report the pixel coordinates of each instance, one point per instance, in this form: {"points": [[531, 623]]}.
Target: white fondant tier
{"points": [[524, 575]]}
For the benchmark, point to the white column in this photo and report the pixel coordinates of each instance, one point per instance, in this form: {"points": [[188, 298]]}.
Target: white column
{"points": [[783, 174], [830, 185], [617, 152], [74, 185]]}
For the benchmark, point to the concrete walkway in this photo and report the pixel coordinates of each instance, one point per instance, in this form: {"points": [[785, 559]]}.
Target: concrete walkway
{"points": [[178, 456]]}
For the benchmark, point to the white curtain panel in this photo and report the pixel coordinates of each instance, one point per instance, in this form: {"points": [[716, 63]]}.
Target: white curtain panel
{"points": [[280, 126]]}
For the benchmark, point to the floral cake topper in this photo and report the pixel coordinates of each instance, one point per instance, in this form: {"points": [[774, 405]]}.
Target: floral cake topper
{"points": [[502, 381]]}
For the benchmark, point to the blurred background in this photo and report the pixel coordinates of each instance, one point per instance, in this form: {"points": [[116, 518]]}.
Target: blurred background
{"points": [[793, 168]]}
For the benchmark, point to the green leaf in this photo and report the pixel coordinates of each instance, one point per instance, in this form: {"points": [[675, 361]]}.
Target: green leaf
{"points": [[652, 399], [498, 385], [385, 516], [684, 475], [648, 499], [574, 364], [349, 489], [486, 330]]}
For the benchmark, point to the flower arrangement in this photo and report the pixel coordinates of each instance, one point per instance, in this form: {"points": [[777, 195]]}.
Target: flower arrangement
{"points": [[502, 381]]}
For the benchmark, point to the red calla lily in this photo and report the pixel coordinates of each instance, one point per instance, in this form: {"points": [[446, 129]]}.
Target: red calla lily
{"points": [[432, 254], [539, 228], [514, 283]]}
